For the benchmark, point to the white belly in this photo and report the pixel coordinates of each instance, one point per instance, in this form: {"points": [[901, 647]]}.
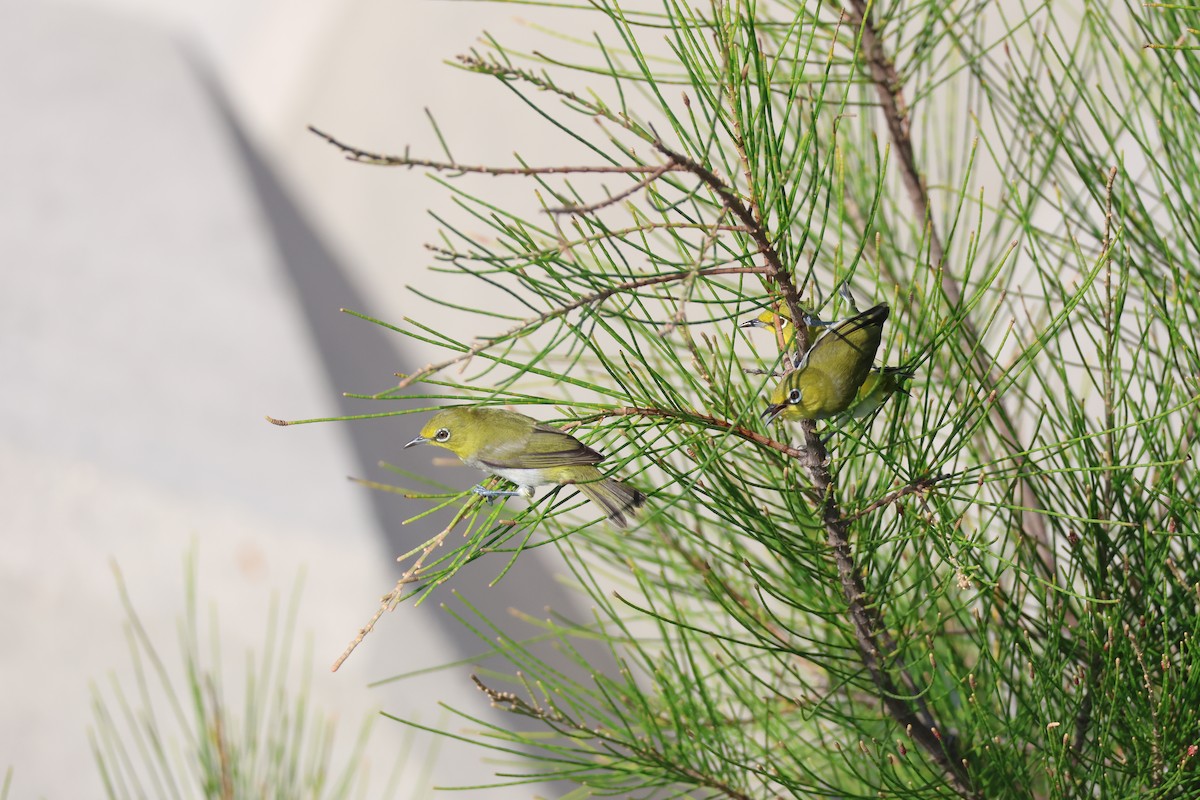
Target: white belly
{"points": [[521, 477]]}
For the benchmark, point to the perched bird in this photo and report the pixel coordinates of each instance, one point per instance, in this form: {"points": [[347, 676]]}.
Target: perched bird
{"points": [[530, 454], [881, 382], [780, 316], [828, 379]]}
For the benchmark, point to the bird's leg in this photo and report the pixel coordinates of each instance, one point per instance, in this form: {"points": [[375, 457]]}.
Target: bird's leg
{"points": [[844, 291]]}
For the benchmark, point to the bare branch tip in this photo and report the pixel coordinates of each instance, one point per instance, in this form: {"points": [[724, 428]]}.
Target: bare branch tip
{"points": [[281, 422]]}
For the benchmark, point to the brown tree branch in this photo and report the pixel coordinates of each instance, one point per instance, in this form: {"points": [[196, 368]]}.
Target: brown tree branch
{"points": [[895, 112], [876, 646]]}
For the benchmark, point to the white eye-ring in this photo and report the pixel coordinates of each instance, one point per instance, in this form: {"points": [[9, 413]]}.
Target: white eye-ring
{"points": [[443, 435], [794, 396]]}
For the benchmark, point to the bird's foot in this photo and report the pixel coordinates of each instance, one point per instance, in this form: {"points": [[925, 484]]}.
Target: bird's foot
{"points": [[490, 495], [825, 440], [813, 321]]}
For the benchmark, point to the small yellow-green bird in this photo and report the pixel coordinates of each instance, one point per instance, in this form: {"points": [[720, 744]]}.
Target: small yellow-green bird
{"points": [[769, 316], [827, 381], [530, 454], [880, 384]]}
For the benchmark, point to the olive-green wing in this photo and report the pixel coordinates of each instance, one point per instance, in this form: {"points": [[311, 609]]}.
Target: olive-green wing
{"points": [[845, 353], [546, 446]]}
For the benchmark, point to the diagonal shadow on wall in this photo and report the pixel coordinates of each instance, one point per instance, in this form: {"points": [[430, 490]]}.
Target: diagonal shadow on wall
{"points": [[355, 354]]}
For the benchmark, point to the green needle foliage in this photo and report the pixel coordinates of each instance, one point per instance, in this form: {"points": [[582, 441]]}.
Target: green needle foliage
{"points": [[987, 590]]}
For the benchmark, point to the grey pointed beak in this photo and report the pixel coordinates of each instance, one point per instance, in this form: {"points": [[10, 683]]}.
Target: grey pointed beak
{"points": [[772, 412], [418, 440], [750, 323]]}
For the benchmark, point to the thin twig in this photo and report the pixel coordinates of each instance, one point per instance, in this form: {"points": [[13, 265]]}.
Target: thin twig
{"points": [[596, 297], [887, 500], [739, 141], [509, 73], [709, 229], [220, 740], [689, 283], [1156, 759], [411, 575], [360, 156], [618, 197], [553, 717], [790, 294], [706, 420]]}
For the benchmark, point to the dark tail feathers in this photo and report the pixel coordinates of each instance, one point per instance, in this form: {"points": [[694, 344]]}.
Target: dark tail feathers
{"points": [[620, 501]]}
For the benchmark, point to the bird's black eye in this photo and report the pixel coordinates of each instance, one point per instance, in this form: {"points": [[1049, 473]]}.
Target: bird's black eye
{"points": [[443, 435], [794, 396]]}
